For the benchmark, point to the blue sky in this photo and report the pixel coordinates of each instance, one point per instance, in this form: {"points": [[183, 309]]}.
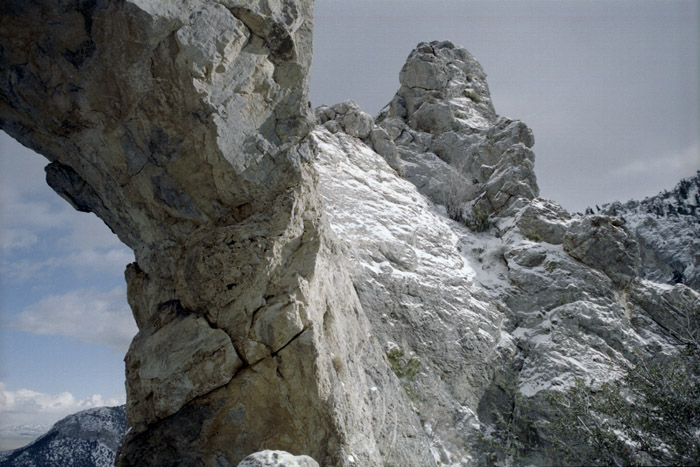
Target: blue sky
{"points": [[64, 321], [610, 89]]}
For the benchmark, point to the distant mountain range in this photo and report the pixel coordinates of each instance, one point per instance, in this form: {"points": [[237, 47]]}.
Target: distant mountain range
{"points": [[85, 439]]}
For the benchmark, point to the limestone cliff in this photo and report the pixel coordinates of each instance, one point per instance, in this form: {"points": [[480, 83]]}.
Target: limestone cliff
{"points": [[184, 127], [498, 298], [360, 291]]}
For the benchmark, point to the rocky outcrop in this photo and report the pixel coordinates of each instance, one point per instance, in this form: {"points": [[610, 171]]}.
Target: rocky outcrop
{"points": [[363, 292], [185, 129], [450, 140], [603, 243], [482, 319]]}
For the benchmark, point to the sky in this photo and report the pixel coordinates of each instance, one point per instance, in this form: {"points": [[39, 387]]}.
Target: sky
{"points": [[64, 321], [609, 88]]}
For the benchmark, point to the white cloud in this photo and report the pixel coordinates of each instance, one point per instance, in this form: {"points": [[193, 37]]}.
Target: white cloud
{"points": [[112, 260], [16, 239], [35, 211], [30, 208], [88, 316], [27, 407], [88, 231], [83, 263], [19, 164]]}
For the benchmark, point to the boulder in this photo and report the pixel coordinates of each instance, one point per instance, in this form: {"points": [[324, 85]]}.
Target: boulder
{"points": [[277, 459]]}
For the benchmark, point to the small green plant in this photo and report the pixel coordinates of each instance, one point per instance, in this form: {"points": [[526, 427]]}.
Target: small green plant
{"points": [[478, 220], [473, 96], [403, 367], [534, 237]]}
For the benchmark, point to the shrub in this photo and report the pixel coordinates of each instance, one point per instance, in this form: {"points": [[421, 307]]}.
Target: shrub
{"points": [[534, 237], [509, 432], [478, 220], [455, 195], [473, 96], [403, 367], [651, 416]]}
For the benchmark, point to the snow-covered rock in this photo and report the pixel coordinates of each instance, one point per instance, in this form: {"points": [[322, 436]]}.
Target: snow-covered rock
{"points": [[86, 439], [365, 292], [277, 459], [533, 300], [667, 229]]}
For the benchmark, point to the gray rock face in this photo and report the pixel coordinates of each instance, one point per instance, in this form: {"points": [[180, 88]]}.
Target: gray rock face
{"points": [[184, 128], [603, 242], [667, 230], [437, 328], [362, 293]]}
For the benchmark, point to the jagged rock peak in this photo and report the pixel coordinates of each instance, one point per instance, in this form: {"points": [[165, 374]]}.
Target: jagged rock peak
{"points": [[439, 81], [449, 141]]}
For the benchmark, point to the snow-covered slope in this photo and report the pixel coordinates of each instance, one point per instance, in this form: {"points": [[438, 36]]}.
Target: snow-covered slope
{"points": [[667, 228], [415, 274], [85, 439], [485, 298]]}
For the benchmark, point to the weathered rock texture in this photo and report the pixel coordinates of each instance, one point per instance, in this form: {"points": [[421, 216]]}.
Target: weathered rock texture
{"points": [[184, 127], [277, 459], [667, 230], [484, 314], [443, 113], [368, 292]]}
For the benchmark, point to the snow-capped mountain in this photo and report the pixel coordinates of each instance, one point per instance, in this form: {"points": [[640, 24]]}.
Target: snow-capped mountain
{"points": [[667, 227], [85, 439]]}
